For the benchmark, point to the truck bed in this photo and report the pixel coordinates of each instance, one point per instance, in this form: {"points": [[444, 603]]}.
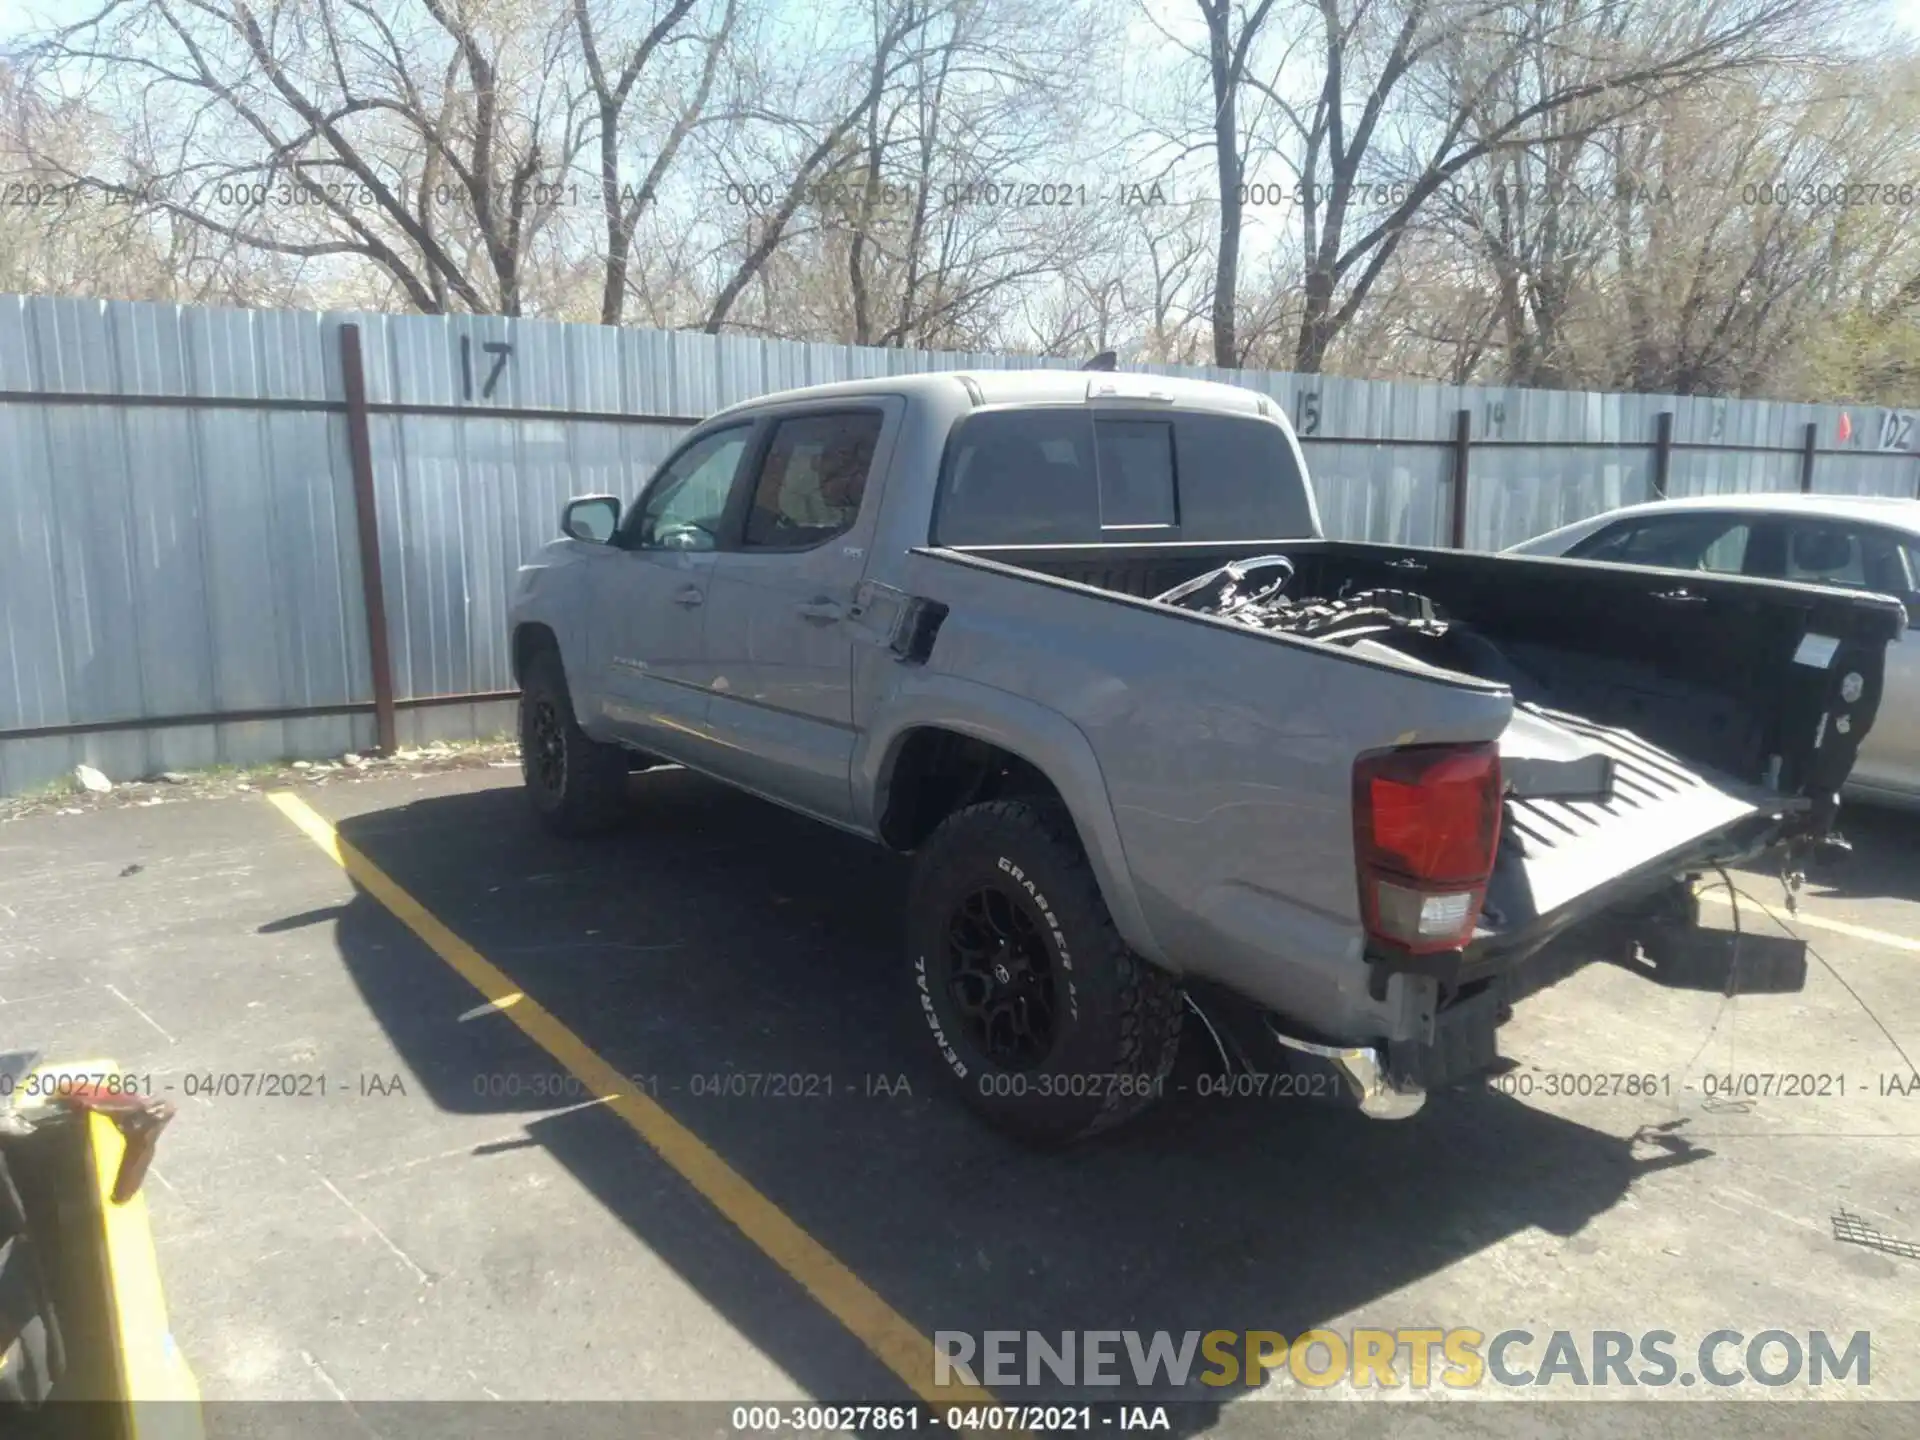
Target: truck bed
{"points": [[1711, 704]]}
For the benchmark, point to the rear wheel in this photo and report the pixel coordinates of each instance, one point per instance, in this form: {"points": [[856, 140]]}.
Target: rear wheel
{"points": [[576, 784], [1050, 1026]]}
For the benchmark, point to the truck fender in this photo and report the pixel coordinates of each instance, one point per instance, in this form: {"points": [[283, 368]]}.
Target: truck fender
{"points": [[555, 597], [1044, 738]]}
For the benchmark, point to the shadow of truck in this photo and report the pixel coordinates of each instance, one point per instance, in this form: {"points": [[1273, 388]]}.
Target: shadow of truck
{"points": [[719, 936]]}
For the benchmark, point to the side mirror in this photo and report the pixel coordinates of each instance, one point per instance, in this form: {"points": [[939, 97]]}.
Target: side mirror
{"points": [[591, 518]]}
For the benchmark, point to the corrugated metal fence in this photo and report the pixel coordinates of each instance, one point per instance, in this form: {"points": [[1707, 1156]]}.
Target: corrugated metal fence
{"points": [[181, 535]]}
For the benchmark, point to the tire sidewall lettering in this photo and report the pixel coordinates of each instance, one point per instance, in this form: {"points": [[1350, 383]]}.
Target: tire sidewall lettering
{"points": [[951, 1055], [1060, 948], [1106, 1062]]}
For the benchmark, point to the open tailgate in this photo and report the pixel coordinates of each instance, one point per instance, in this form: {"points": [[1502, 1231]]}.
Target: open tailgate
{"points": [[1570, 846]]}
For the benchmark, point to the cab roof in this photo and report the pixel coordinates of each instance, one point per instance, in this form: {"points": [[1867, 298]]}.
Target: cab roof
{"points": [[1037, 387]]}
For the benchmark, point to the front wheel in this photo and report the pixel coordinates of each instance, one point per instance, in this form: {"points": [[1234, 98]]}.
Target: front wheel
{"points": [[1050, 1026], [576, 784]]}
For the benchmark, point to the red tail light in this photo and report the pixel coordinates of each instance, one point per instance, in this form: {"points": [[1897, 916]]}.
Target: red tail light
{"points": [[1426, 823]]}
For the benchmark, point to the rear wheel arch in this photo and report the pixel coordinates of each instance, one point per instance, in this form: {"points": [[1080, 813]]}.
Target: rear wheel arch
{"points": [[933, 769]]}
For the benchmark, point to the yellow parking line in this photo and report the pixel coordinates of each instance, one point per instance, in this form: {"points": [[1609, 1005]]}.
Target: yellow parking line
{"points": [[876, 1324], [1838, 927]]}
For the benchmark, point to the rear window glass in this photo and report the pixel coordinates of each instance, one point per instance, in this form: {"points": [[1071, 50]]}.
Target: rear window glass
{"points": [[1239, 480], [1021, 477], [1062, 476], [1136, 473]]}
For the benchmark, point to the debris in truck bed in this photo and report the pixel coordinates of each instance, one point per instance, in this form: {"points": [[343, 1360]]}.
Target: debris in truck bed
{"points": [[1541, 758], [1226, 592]]}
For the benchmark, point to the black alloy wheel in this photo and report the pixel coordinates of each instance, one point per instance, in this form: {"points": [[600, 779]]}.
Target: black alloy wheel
{"points": [[546, 747], [1001, 977]]}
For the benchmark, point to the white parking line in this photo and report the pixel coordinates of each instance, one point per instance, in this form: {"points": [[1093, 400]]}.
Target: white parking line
{"points": [[1838, 927]]}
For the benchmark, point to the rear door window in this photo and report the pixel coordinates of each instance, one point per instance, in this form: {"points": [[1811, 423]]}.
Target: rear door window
{"points": [[1716, 543], [1859, 557], [812, 480], [1826, 553]]}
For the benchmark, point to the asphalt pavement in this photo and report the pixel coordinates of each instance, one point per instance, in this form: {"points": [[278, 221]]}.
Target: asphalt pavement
{"points": [[387, 1183]]}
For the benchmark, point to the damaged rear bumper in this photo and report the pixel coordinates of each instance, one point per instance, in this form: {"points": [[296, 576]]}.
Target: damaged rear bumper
{"points": [[1384, 1079], [1448, 1012]]}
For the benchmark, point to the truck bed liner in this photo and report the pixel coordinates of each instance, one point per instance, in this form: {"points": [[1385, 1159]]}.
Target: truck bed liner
{"points": [[1553, 850]]}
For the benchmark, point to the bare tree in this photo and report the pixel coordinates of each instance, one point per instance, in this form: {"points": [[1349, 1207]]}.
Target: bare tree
{"points": [[814, 140], [1172, 269], [1406, 94], [1778, 226], [933, 189], [1230, 40], [58, 239], [332, 131], [1540, 192], [436, 140], [622, 202]]}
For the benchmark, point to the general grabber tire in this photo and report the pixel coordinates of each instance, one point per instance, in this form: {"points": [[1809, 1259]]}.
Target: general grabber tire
{"points": [[1049, 1025], [577, 785]]}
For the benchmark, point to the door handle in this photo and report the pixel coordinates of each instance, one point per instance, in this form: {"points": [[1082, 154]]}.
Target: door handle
{"points": [[820, 610], [1682, 596], [689, 596]]}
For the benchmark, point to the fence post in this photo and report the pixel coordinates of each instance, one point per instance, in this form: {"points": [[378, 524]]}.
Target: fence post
{"points": [[353, 376], [1462, 446], [1662, 452], [1807, 454]]}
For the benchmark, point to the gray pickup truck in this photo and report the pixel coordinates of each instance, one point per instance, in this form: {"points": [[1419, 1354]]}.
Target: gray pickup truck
{"points": [[1167, 758]]}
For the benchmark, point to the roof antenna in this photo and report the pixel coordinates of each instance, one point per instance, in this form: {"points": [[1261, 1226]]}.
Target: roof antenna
{"points": [[1105, 360]]}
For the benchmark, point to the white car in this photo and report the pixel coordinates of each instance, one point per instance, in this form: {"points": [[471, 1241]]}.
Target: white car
{"points": [[1853, 541]]}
